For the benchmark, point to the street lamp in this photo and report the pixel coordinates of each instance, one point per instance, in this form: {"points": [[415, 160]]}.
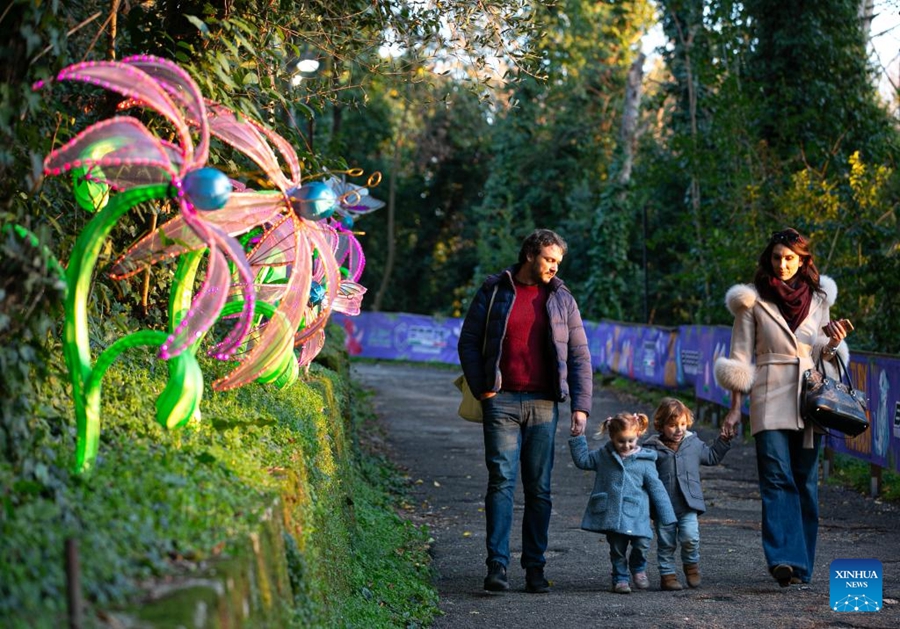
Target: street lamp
{"points": [[303, 67], [308, 64]]}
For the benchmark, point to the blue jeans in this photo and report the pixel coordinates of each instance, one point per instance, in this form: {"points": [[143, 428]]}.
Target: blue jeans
{"points": [[687, 532], [519, 428], [622, 564], [788, 486]]}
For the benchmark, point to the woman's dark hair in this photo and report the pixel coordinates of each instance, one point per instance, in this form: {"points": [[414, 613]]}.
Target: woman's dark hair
{"points": [[537, 240], [793, 240]]}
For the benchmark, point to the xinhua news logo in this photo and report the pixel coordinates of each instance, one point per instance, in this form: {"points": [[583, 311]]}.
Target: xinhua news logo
{"points": [[856, 585]]}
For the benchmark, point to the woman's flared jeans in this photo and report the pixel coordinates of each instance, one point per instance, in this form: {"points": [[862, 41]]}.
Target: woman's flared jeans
{"points": [[519, 429], [788, 486]]}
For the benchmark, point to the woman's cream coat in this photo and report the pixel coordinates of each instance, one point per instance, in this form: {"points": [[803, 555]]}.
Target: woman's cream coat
{"points": [[768, 360]]}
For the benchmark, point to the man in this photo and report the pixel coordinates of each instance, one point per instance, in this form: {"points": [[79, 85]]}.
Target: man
{"points": [[523, 350]]}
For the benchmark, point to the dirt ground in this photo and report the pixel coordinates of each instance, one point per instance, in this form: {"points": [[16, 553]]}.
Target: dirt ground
{"points": [[443, 456]]}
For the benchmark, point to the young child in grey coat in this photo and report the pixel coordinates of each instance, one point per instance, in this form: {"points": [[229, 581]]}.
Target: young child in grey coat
{"points": [[680, 453], [625, 485]]}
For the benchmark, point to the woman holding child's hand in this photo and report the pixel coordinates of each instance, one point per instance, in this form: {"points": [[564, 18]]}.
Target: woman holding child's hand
{"points": [[782, 326]]}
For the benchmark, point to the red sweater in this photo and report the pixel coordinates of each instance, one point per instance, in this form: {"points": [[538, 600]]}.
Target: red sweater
{"points": [[526, 359]]}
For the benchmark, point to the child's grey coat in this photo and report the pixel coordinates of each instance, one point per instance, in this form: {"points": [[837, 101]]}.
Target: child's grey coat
{"points": [[623, 490], [679, 470]]}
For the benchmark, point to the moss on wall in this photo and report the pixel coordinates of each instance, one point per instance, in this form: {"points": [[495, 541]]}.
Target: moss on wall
{"points": [[262, 513]]}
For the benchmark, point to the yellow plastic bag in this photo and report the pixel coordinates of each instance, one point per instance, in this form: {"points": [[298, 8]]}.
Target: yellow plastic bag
{"points": [[469, 407]]}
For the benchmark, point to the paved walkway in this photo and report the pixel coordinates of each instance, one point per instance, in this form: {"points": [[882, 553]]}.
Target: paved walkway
{"points": [[443, 457]]}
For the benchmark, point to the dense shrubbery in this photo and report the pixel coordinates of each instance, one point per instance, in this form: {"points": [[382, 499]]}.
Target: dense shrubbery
{"points": [[159, 504]]}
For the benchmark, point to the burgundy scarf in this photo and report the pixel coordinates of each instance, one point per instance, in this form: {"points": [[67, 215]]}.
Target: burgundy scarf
{"points": [[792, 301]]}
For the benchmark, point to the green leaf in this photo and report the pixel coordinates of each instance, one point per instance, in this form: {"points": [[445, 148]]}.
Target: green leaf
{"points": [[199, 24], [225, 78]]}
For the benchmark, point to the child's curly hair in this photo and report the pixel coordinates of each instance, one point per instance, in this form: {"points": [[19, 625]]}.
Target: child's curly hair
{"points": [[621, 422], [670, 410]]}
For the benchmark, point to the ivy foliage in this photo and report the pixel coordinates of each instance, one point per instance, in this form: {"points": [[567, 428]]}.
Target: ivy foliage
{"points": [[31, 293], [767, 117], [243, 55], [751, 101], [554, 145]]}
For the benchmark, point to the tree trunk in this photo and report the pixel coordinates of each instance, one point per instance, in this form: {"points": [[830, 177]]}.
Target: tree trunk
{"points": [[866, 13], [391, 213], [113, 27], [628, 139], [628, 133], [686, 41]]}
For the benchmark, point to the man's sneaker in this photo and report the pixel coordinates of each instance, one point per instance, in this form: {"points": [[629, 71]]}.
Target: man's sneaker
{"points": [[641, 582], [496, 580], [621, 587], [535, 583]]}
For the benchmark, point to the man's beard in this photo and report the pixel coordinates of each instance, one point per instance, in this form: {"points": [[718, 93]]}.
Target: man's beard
{"points": [[537, 276]]}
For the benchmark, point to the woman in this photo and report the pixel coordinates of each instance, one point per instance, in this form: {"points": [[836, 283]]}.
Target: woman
{"points": [[781, 328]]}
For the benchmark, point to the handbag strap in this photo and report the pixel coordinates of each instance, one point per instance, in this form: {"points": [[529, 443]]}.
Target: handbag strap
{"points": [[487, 319], [843, 372]]}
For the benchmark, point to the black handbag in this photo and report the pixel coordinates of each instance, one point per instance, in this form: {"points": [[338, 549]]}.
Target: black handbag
{"points": [[834, 405]]}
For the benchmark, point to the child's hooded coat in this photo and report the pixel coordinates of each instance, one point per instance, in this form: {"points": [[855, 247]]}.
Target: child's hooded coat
{"points": [[679, 470], [623, 490]]}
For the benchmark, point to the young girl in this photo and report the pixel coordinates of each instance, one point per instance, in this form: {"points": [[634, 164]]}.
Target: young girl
{"points": [[625, 485], [680, 453]]}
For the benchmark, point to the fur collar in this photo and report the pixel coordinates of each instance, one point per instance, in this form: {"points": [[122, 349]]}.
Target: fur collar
{"points": [[741, 297]]}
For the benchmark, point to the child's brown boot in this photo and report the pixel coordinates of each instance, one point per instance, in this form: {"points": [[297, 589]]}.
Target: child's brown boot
{"points": [[669, 582], [692, 574]]}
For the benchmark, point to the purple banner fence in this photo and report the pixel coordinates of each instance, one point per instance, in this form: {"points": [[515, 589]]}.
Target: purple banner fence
{"points": [[401, 336], [638, 352], [663, 357]]}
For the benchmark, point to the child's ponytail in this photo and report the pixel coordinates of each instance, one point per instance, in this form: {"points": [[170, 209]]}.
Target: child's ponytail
{"points": [[624, 421], [643, 422], [604, 427]]}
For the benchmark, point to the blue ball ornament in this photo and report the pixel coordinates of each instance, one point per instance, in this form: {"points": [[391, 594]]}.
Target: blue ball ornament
{"points": [[207, 188], [314, 201], [347, 221], [316, 293]]}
